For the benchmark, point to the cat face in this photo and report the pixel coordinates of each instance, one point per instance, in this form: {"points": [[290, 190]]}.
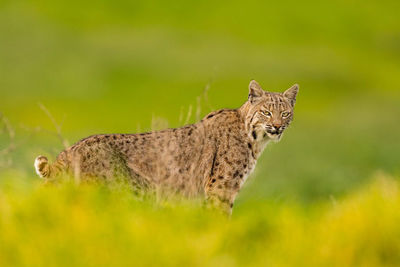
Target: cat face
{"points": [[271, 113]]}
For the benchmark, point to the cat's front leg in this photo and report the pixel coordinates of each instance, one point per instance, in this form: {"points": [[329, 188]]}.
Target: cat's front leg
{"points": [[221, 194]]}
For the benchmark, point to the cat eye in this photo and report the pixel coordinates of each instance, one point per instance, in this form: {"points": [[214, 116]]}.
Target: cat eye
{"points": [[266, 113], [285, 114]]}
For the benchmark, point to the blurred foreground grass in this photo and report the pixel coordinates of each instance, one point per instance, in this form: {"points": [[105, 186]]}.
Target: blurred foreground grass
{"points": [[95, 226]]}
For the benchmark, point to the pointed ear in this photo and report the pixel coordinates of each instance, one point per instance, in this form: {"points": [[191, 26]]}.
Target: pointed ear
{"points": [[255, 91], [291, 93]]}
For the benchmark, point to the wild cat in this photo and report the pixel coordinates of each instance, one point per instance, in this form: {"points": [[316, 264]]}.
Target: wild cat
{"points": [[210, 159]]}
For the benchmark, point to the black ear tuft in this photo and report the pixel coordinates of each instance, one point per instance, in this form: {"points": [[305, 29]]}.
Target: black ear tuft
{"points": [[291, 93], [255, 91]]}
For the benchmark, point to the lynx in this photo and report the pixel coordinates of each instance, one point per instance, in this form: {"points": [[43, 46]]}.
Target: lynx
{"points": [[210, 159]]}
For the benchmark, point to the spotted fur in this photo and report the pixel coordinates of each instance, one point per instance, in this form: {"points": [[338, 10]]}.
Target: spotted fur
{"points": [[211, 158]]}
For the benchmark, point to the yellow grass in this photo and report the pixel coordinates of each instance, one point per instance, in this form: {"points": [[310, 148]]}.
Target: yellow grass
{"points": [[72, 225]]}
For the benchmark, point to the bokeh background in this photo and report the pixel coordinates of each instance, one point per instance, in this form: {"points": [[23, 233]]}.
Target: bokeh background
{"points": [[129, 66]]}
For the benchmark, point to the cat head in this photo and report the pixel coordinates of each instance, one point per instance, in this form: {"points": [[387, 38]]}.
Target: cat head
{"points": [[269, 114]]}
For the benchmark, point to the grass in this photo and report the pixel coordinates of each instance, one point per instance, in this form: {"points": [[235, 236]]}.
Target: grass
{"points": [[95, 226]]}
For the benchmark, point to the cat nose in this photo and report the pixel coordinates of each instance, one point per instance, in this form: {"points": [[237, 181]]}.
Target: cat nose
{"points": [[277, 126]]}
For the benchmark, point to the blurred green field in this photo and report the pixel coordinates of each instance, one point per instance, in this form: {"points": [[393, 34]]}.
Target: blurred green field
{"points": [[118, 66]]}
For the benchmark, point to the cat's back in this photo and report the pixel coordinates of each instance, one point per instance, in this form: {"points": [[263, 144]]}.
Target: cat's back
{"points": [[223, 123]]}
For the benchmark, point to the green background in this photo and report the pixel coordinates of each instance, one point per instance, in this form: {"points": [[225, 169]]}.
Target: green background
{"points": [[328, 194], [116, 66]]}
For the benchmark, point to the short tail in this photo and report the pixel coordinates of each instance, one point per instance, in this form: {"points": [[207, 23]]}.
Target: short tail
{"points": [[42, 166], [46, 170]]}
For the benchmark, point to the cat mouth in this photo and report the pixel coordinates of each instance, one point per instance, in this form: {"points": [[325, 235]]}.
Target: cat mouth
{"points": [[274, 132], [273, 135]]}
